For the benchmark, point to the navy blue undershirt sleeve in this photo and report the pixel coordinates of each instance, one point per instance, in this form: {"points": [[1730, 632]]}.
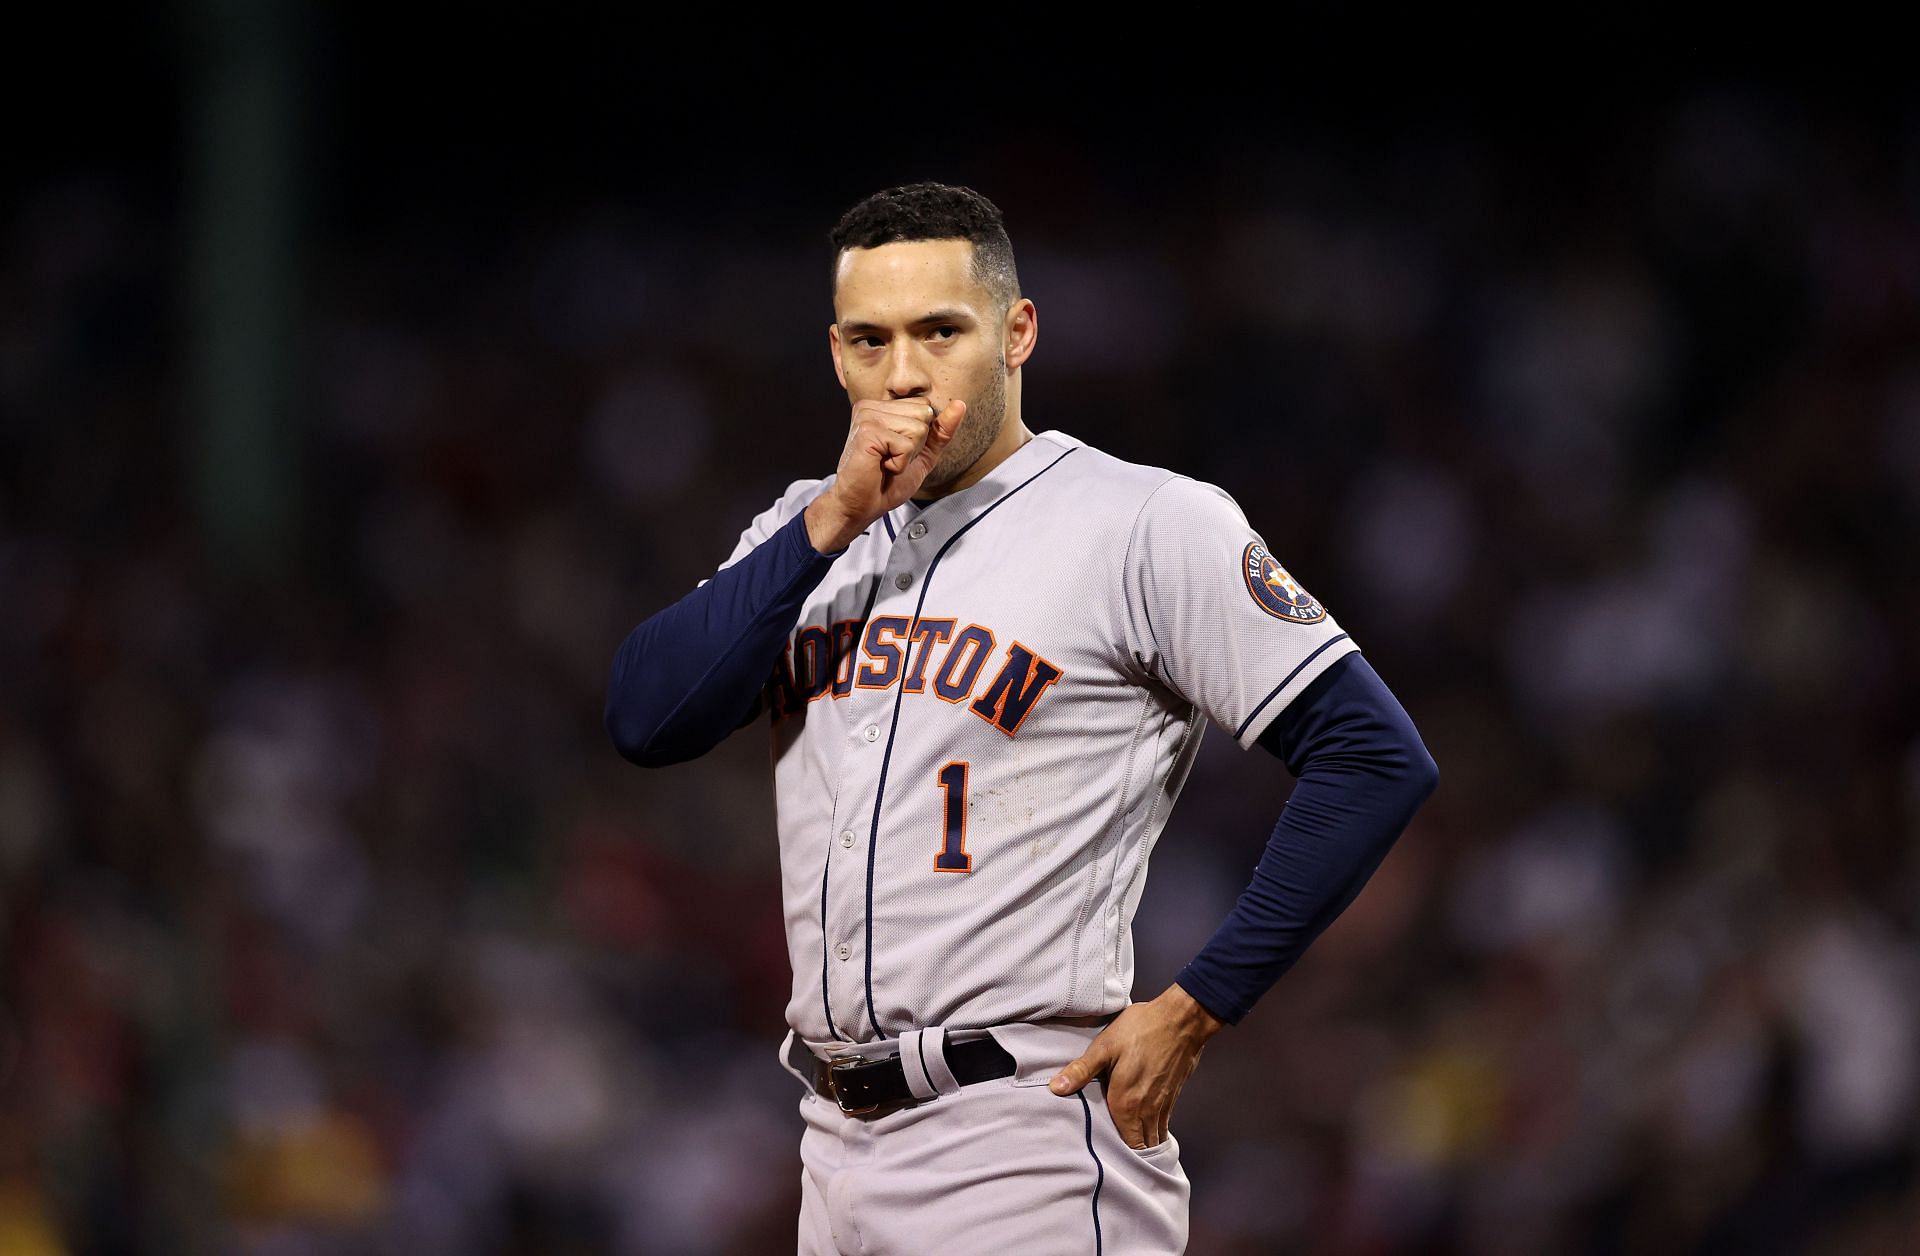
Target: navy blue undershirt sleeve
{"points": [[694, 672], [1363, 772]]}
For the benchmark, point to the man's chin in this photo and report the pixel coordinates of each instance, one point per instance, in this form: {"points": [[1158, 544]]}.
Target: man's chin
{"points": [[942, 475]]}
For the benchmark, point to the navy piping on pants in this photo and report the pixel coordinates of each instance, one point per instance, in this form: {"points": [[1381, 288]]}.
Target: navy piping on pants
{"points": [[1100, 1170]]}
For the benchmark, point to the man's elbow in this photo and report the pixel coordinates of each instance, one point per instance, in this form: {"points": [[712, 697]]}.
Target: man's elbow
{"points": [[1422, 773], [1426, 773], [633, 722], [1406, 761], [647, 736], [633, 716], [631, 736]]}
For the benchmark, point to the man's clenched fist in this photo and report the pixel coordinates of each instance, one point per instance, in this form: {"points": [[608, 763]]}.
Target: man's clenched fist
{"points": [[891, 449]]}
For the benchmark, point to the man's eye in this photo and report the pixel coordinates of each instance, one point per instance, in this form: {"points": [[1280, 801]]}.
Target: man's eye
{"points": [[866, 341], [945, 333]]}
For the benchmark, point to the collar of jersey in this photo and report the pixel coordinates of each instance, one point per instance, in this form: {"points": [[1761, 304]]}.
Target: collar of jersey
{"points": [[971, 500]]}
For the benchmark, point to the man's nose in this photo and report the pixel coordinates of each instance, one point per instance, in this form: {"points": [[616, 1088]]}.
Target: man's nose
{"points": [[906, 370]]}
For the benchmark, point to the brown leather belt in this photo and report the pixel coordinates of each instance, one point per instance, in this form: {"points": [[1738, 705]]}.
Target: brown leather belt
{"points": [[877, 1087]]}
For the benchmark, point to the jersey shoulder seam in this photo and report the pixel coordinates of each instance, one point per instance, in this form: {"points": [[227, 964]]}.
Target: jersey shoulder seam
{"points": [[1126, 560]]}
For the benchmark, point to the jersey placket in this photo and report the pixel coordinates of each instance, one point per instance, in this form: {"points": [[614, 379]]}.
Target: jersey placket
{"points": [[912, 559], [872, 724]]}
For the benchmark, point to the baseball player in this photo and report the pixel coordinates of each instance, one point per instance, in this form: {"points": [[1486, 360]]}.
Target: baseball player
{"points": [[987, 657]]}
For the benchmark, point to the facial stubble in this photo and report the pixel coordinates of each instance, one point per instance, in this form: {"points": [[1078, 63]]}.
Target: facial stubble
{"points": [[985, 415]]}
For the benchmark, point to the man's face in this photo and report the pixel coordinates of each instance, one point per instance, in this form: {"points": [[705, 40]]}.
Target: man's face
{"points": [[911, 321]]}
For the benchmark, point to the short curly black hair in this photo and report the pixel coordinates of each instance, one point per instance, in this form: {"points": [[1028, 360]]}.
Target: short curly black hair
{"points": [[935, 211]]}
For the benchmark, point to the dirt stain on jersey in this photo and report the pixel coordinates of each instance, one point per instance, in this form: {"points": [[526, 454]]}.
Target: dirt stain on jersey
{"points": [[1009, 810]]}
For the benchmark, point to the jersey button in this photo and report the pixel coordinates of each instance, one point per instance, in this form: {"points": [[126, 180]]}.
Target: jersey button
{"points": [[873, 732], [846, 839], [843, 951], [917, 531], [904, 580]]}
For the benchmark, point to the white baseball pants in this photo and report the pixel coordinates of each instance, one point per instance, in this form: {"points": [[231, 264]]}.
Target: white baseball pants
{"points": [[1000, 1168]]}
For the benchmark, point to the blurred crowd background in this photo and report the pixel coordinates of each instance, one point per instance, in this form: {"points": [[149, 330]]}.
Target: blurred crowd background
{"points": [[357, 396]]}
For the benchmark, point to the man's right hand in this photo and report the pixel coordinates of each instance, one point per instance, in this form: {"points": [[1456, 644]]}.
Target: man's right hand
{"points": [[891, 448]]}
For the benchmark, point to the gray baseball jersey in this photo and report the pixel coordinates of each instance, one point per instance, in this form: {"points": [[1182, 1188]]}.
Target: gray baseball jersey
{"points": [[982, 718]]}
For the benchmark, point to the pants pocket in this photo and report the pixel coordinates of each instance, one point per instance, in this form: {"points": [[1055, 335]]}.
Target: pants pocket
{"points": [[1164, 1154]]}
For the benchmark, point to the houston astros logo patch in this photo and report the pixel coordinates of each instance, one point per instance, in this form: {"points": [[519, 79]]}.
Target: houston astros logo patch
{"points": [[1275, 590]]}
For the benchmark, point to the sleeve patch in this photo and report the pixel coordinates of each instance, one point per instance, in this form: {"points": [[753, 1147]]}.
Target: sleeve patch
{"points": [[1276, 592]]}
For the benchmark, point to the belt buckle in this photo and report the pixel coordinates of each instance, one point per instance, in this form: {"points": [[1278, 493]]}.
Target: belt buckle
{"points": [[837, 1065]]}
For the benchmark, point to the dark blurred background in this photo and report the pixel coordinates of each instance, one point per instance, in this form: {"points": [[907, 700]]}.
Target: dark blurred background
{"points": [[364, 378]]}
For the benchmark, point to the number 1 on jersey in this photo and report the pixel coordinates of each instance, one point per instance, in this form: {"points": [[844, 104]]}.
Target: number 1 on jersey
{"points": [[953, 856]]}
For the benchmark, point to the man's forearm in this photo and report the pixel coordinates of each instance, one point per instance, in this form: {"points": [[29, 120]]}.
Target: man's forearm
{"points": [[1363, 772], [687, 676]]}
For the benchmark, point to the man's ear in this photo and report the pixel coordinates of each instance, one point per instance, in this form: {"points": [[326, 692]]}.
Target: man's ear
{"points": [[833, 347], [1022, 332]]}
